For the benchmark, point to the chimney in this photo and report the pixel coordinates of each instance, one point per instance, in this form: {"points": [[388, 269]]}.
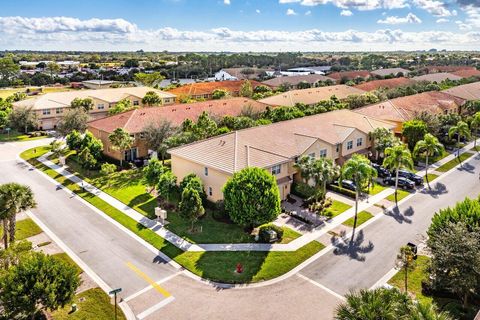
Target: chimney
{"points": [[247, 147]]}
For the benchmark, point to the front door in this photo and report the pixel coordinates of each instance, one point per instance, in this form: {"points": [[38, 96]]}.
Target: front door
{"points": [[131, 155]]}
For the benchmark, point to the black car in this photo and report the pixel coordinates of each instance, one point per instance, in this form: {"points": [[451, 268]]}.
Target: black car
{"points": [[411, 176], [381, 171], [402, 182], [348, 184]]}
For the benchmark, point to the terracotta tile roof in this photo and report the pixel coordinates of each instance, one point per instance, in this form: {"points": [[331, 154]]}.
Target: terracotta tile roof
{"points": [[350, 74], [111, 95], [470, 91], [448, 68], [311, 96], [203, 88], [135, 120], [294, 80], [385, 83], [279, 142], [437, 77], [405, 108], [389, 71], [467, 73]]}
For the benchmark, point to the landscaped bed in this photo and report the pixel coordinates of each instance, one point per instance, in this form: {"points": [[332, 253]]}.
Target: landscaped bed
{"points": [[335, 209], [18, 136], [26, 228], [400, 195], [454, 162]]}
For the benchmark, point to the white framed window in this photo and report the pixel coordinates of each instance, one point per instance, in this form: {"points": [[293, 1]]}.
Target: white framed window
{"points": [[337, 148], [100, 106], [58, 110], [359, 142], [323, 153], [350, 145], [276, 169], [312, 155], [206, 171], [46, 112], [135, 102], [210, 191]]}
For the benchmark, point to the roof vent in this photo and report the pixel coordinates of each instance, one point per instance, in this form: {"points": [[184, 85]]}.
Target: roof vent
{"points": [[173, 110]]}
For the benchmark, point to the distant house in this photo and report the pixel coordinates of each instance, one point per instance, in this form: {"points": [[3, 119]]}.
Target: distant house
{"points": [[51, 106], [311, 70], [434, 69], [276, 147], [437, 77], [97, 84], [134, 121], [293, 81], [238, 74], [390, 71], [311, 96], [467, 73], [469, 92], [406, 108], [384, 83], [350, 75], [204, 90]]}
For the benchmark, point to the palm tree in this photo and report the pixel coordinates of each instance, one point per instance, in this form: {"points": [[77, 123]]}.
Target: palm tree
{"points": [[323, 172], [427, 311], [428, 147], [397, 157], [359, 170], [406, 261], [14, 198], [120, 140], [305, 165], [461, 130], [474, 125]]}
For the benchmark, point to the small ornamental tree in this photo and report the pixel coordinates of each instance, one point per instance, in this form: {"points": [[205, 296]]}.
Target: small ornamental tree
{"points": [[194, 182], [74, 140], [190, 206], [219, 94], [406, 262], [151, 98], [87, 160], [414, 131], [121, 141], [56, 148], [246, 90], [152, 173], [252, 197], [167, 184], [38, 282], [86, 104], [73, 119]]}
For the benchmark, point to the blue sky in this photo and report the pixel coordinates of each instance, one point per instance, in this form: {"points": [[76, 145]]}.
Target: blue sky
{"points": [[235, 25]]}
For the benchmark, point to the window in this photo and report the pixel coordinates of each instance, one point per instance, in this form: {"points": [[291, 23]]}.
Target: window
{"points": [[359, 142], [58, 110], [46, 111], [323, 153], [206, 171], [135, 102], [350, 145], [210, 191], [338, 148], [276, 169], [100, 106], [312, 155], [142, 135]]}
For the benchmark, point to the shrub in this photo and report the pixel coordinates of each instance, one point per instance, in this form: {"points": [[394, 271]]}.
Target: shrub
{"points": [[345, 192], [302, 190], [322, 205], [263, 232]]}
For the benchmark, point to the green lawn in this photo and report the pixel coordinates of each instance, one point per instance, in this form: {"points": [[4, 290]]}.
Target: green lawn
{"points": [[26, 228], [432, 176], [377, 188], [17, 136], [66, 258], [454, 162], [401, 194], [91, 304], [363, 216], [434, 159], [216, 266], [289, 235], [335, 209]]}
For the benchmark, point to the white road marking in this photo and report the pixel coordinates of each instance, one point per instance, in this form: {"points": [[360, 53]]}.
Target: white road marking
{"points": [[136, 294], [339, 296], [156, 307], [383, 280]]}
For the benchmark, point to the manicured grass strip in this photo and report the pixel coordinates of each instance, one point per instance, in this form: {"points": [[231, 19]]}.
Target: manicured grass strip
{"points": [[432, 176], [401, 194], [26, 228], [335, 209], [289, 235], [91, 304], [34, 152], [377, 188], [17, 136], [434, 159], [66, 258], [363, 216], [454, 162]]}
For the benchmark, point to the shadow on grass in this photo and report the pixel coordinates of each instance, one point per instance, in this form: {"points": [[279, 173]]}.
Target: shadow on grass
{"points": [[354, 248], [399, 216]]}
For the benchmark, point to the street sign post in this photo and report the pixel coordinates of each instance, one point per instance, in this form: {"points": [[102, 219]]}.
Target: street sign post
{"points": [[114, 292]]}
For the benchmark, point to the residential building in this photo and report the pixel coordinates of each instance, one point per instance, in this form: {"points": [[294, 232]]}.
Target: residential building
{"points": [[293, 81], [467, 73], [50, 107], [276, 147], [437, 77], [239, 74], [204, 90], [311, 96], [311, 70], [97, 84], [390, 72], [406, 108], [350, 75], [469, 92], [384, 83], [134, 121], [434, 69]]}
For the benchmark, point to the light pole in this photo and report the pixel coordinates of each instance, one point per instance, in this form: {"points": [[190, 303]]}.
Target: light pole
{"points": [[114, 292]]}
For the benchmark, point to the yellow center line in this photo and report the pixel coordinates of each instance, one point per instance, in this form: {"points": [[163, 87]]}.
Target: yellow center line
{"points": [[142, 275]]}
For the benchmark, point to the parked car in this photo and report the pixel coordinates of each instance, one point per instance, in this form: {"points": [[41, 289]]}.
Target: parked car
{"points": [[402, 182], [381, 171], [411, 176], [348, 184]]}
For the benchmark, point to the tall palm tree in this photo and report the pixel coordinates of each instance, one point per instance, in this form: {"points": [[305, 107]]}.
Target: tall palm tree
{"points": [[428, 147], [305, 165], [324, 171], [461, 130], [474, 125], [359, 170], [14, 198], [396, 158]]}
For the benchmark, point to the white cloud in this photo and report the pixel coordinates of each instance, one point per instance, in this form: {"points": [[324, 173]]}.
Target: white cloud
{"points": [[61, 33], [308, 13], [442, 20], [353, 4], [258, 11], [227, 2], [291, 12], [409, 18], [434, 7], [346, 13]]}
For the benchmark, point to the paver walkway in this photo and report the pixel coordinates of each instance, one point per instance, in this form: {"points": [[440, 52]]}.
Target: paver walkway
{"points": [[185, 245]]}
